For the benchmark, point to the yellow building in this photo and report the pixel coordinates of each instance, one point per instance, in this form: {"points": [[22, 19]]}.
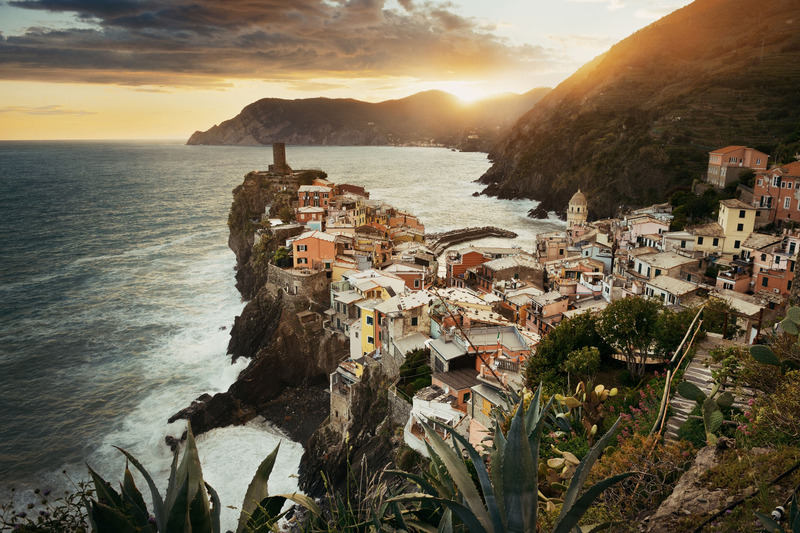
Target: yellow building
{"points": [[737, 220]]}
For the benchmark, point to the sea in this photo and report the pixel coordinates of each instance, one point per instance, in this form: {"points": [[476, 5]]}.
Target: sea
{"points": [[117, 295]]}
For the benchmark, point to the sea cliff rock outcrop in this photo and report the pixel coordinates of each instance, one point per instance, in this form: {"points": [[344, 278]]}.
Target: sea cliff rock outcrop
{"points": [[366, 447]]}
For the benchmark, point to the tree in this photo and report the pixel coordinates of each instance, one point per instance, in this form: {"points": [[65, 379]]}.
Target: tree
{"points": [[583, 363], [546, 365], [286, 214], [629, 325], [671, 328]]}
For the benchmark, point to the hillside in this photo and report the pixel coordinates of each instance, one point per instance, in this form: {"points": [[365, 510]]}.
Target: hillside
{"points": [[638, 121], [418, 119]]}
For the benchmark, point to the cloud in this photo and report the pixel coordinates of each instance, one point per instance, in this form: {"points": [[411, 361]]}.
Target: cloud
{"points": [[45, 110], [206, 42]]}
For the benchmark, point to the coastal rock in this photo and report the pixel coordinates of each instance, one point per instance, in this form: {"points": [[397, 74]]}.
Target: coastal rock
{"points": [[367, 447]]}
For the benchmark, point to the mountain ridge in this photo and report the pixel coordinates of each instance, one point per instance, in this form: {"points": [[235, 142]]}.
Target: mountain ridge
{"points": [[422, 118], [637, 122]]}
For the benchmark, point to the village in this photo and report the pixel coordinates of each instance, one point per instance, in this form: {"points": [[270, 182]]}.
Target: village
{"points": [[453, 332]]}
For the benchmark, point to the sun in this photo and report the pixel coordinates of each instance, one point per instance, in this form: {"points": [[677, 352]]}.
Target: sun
{"points": [[468, 91]]}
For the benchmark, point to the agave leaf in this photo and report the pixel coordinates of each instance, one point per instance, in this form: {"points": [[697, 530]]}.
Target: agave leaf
{"points": [[464, 514], [725, 400], [266, 513], [399, 520], [458, 471], [765, 355], [216, 508], [690, 391], [158, 502], [305, 501], [582, 472], [768, 523], [105, 492], [178, 517], [438, 476], [496, 473], [421, 526], [107, 519], [534, 409], [576, 511], [419, 480], [519, 477], [446, 525], [133, 498], [790, 326], [129, 489], [483, 479], [257, 490], [200, 511], [794, 514]]}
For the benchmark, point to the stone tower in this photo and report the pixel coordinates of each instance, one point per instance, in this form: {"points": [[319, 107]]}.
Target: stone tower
{"points": [[577, 211]]}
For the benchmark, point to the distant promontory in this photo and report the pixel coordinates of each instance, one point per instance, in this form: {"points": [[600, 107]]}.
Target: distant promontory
{"points": [[423, 119]]}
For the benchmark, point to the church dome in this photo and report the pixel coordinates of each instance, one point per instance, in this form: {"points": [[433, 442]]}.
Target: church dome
{"points": [[578, 199]]}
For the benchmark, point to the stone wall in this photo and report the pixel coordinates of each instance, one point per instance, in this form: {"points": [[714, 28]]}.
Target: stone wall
{"points": [[399, 409], [304, 284]]}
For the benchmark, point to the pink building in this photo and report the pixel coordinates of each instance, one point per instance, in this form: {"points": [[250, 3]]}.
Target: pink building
{"points": [[725, 164]]}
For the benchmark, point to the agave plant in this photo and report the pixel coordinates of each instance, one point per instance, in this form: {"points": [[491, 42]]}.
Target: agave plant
{"points": [[190, 504], [508, 497], [712, 406]]}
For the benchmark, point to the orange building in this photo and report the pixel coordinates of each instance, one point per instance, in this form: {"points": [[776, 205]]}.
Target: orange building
{"points": [[725, 164], [316, 250]]}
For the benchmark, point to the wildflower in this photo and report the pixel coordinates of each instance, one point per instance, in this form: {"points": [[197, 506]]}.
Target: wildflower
{"points": [[22, 514], [46, 492]]}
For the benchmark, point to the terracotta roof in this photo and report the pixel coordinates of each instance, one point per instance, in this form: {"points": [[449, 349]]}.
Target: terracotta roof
{"points": [[733, 203], [727, 149], [712, 229]]}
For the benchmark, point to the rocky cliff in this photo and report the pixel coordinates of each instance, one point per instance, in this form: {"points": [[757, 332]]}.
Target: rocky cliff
{"points": [[418, 119], [637, 122], [289, 361]]}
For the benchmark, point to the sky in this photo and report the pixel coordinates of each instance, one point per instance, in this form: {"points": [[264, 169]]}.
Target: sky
{"points": [[152, 69]]}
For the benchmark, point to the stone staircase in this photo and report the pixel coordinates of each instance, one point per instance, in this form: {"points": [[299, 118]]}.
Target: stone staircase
{"points": [[698, 373]]}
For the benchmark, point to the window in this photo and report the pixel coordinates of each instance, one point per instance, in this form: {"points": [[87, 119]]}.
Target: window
{"points": [[370, 340], [416, 283], [776, 181], [789, 184], [786, 202], [760, 182], [414, 321], [302, 248], [740, 227], [302, 260], [741, 213], [369, 320], [791, 247], [699, 240], [777, 260], [765, 282], [736, 244], [716, 241], [683, 244], [658, 272]]}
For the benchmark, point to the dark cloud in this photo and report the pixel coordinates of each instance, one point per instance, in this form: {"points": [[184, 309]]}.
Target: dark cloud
{"points": [[189, 42]]}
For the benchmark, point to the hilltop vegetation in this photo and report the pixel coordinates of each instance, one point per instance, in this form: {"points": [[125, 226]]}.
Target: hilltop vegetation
{"points": [[636, 123]]}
